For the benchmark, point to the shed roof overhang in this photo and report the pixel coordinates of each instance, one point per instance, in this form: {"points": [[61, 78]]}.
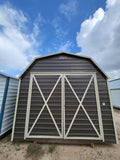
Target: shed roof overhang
{"points": [[57, 53], [6, 75]]}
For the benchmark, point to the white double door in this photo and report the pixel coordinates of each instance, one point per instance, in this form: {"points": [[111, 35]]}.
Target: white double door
{"points": [[63, 105]]}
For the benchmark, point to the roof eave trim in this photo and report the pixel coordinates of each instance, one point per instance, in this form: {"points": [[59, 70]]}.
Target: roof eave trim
{"points": [[7, 76], [99, 68]]}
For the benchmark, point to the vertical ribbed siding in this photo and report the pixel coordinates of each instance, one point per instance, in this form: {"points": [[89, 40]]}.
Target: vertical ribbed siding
{"points": [[9, 106], [2, 89], [115, 95], [65, 63]]}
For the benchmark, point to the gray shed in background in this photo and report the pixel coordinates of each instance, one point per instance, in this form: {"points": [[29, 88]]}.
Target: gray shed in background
{"points": [[64, 98], [8, 93], [115, 92]]}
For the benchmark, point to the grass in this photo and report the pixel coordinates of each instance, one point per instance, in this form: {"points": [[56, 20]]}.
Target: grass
{"points": [[34, 151], [51, 148]]}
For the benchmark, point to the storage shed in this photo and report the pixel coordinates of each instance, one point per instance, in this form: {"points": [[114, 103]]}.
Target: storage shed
{"points": [[8, 93], [64, 98], [115, 92]]}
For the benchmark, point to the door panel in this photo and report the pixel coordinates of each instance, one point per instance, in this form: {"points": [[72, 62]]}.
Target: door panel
{"points": [[44, 117], [44, 126], [80, 122], [88, 101]]}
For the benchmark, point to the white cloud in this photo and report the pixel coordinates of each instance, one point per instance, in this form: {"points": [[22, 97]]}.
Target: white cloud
{"points": [[88, 25], [66, 46], [63, 46], [99, 37], [60, 32], [68, 9], [39, 20], [110, 3], [15, 41]]}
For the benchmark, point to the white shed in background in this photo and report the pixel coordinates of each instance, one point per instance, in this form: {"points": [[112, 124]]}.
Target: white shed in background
{"points": [[8, 93], [115, 92]]}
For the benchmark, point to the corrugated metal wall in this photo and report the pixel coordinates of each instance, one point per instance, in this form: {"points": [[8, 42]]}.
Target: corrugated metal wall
{"points": [[115, 92], [114, 84], [65, 63], [2, 88], [115, 95], [9, 107]]}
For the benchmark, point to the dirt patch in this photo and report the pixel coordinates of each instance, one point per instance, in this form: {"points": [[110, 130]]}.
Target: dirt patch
{"points": [[18, 151]]}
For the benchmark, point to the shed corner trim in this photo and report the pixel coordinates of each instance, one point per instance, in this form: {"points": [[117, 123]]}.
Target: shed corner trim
{"points": [[15, 112]]}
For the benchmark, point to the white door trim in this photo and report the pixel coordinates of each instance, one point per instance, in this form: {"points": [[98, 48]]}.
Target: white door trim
{"points": [[98, 108], [63, 104]]}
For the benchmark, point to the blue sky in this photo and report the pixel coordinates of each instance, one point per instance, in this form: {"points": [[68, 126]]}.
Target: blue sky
{"points": [[30, 28]]}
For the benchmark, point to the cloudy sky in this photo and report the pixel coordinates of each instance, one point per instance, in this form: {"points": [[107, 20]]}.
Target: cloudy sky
{"points": [[30, 28]]}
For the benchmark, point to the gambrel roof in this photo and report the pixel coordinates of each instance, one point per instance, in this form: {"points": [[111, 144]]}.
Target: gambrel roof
{"points": [[62, 52]]}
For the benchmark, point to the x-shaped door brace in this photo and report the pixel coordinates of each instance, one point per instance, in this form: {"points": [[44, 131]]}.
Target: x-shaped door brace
{"points": [[80, 105], [46, 104]]}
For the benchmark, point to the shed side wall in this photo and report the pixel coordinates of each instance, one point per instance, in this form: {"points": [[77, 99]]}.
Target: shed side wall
{"points": [[2, 88], [9, 106], [65, 63], [115, 95]]}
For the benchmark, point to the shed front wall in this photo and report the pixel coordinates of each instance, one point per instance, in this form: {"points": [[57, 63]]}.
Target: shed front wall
{"points": [[64, 63]]}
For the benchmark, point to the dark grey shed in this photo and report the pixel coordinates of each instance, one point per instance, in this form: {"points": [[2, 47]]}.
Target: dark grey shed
{"points": [[64, 98]]}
